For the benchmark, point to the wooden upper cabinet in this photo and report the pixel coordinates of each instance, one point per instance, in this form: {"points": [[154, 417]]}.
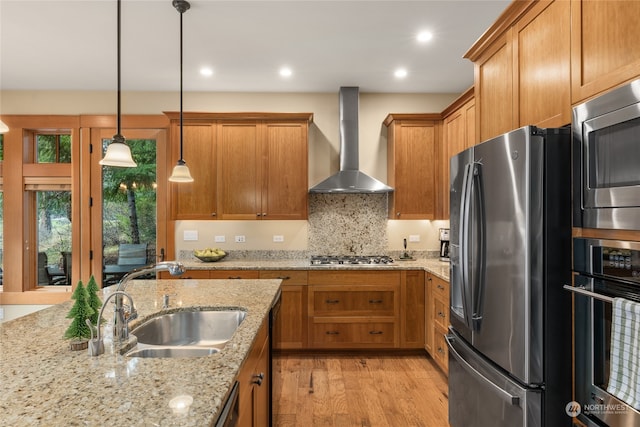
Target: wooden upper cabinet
{"points": [[239, 170], [195, 200], [459, 133], [494, 89], [542, 74], [412, 164], [244, 165], [604, 46], [285, 175], [522, 69]]}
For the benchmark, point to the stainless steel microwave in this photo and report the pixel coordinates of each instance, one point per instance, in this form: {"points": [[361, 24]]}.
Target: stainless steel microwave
{"points": [[606, 136]]}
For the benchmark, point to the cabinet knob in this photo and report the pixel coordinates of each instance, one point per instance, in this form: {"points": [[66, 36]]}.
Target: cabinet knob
{"points": [[258, 214], [398, 214], [440, 350], [264, 214], [441, 314], [258, 378], [213, 214]]}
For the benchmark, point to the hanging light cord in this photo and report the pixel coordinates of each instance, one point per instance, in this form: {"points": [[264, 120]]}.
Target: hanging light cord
{"points": [[118, 137], [181, 10]]}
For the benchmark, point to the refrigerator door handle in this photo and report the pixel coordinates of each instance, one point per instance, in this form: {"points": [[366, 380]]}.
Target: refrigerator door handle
{"points": [[465, 211], [504, 395], [477, 299]]}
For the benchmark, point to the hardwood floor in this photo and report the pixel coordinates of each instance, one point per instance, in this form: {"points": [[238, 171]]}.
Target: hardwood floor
{"points": [[363, 390]]}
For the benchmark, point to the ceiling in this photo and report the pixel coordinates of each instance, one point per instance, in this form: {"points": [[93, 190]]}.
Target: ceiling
{"points": [[71, 45]]}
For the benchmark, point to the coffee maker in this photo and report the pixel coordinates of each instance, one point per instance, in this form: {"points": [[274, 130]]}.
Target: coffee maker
{"points": [[444, 244]]}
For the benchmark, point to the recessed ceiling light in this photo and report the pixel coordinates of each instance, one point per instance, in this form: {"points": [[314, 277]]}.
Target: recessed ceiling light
{"points": [[400, 73], [286, 72], [206, 71], [424, 36]]}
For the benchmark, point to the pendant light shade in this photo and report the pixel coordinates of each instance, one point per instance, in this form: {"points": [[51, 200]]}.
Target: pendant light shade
{"points": [[3, 128], [118, 152], [181, 170]]}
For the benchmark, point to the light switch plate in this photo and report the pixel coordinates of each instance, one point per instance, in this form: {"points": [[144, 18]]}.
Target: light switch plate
{"points": [[190, 235], [278, 238], [240, 239], [220, 239], [414, 238]]}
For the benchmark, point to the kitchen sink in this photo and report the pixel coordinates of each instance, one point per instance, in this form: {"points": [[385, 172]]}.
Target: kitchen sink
{"points": [[189, 333], [177, 351]]}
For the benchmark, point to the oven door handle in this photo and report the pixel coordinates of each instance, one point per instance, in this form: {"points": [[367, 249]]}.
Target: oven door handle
{"points": [[582, 291]]}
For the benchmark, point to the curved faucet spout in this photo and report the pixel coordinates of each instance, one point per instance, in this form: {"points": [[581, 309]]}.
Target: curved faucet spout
{"points": [[173, 267]]}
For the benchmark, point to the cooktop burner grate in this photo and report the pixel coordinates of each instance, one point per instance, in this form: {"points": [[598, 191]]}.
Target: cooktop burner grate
{"points": [[350, 259]]}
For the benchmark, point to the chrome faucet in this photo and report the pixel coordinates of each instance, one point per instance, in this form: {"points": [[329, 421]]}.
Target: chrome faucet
{"points": [[125, 314], [96, 345]]}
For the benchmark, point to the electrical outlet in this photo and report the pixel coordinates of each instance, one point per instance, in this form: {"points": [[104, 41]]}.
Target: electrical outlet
{"points": [[278, 238], [414, 238], [190, 235], [219, 239], [240, 239]]}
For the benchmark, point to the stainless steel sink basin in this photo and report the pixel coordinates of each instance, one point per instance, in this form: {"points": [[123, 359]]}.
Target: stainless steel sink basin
{"points": [[177, 351], [186, 333]]}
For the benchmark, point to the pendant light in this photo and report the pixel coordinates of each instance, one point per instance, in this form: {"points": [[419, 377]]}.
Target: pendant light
{"points": [[181, 170], [118, 152]]}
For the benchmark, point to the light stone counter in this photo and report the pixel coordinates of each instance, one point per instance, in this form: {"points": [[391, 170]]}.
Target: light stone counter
{"points": [[43, 383], [432, 265]]}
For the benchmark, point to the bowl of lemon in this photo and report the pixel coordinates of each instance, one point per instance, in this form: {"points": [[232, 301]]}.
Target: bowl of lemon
{"points": [[209, 254]]}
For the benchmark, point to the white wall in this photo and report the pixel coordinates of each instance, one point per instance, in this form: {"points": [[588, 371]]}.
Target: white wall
{"points": [[324, 145]]}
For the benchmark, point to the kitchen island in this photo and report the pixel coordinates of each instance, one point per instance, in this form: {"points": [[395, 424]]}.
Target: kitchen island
{"points": [[42, 382]]}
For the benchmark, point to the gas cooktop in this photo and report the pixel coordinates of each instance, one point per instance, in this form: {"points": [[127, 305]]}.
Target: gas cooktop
{"points": [[350, 259]]}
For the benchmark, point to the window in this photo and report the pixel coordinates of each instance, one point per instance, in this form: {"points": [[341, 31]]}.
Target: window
{"points": [[53, 148], [53, 236]]}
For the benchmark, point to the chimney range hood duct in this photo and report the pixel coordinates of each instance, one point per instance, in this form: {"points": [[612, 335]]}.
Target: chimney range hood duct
{"points": [[349, 179]]}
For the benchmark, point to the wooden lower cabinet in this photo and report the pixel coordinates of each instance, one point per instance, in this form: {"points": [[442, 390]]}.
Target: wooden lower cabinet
{"points": [[412, 314], [290, 330], [354, 309], [437, 321], [253, 399]]}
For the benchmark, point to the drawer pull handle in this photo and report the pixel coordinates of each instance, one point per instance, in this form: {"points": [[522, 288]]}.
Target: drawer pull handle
{"points": [[332, 333], [440, 350], [441, 287], [375, 332], [332, 301], [234, 277], [375, 301], [283, 277], [441, 314]]}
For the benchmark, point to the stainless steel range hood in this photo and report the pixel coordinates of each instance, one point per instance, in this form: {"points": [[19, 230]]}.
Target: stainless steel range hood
{"points": [[350, 179]]}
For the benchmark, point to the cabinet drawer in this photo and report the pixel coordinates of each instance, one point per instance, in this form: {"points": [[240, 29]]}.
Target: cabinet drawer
{"points": [[288, 277], [440, 313], [353, 303], [440, 350], [346, 335], [440, 288]]}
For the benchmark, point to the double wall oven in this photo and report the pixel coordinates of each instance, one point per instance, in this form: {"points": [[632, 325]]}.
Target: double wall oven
{"points": [[604, 270]]}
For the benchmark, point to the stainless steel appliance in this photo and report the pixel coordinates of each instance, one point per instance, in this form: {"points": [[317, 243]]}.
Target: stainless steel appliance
{"points": [[444, 244], [510, 333], [350, 259], [606, 131], [606, 269]]}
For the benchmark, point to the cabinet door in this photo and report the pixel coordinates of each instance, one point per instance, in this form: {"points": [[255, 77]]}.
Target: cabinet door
{"points": [[290, 331], [604, 46], [285, 176], [494, 89], [412, 291], [414, 170], [428, 320], [239, 171], [197, 199], [542, 74]]}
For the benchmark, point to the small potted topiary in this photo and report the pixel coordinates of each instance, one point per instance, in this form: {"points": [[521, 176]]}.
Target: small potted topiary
{"points": [[78, 331]]}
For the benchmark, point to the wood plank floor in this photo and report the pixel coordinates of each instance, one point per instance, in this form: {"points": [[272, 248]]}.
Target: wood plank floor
{"points": [[358, 390]]}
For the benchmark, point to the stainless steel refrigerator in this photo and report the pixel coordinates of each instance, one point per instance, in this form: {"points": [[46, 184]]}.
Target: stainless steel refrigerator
{"points": [[510, 250]]}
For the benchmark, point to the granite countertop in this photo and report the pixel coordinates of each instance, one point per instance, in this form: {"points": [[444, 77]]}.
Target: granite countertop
{"points": [[42, 382], [432, 265]]}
